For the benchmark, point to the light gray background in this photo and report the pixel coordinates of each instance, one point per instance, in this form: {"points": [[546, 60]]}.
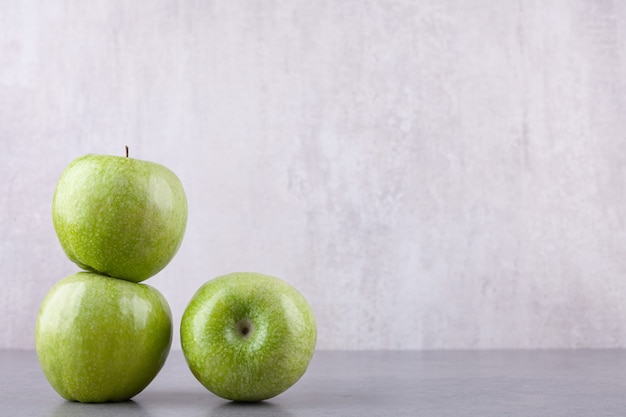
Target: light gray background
{"points": [[446, 174]]}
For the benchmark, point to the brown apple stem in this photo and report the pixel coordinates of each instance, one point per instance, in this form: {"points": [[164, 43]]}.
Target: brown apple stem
{"points": [[126, 151]]}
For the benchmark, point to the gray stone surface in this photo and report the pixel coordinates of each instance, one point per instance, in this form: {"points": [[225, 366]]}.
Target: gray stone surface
{"points": [[559, 383]]}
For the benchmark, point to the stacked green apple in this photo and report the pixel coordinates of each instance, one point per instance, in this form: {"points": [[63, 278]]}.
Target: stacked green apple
{"points": [[101, 334]]}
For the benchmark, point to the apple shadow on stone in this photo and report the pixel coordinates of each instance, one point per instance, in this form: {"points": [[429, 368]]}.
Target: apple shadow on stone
{"points": [[77, 409], [175, 398], [257, 409]]}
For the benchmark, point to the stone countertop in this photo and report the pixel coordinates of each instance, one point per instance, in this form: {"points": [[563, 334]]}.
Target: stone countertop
{"points": [[388, 383]]}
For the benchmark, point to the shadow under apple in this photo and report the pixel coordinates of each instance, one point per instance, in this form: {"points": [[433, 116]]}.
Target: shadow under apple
{"points": [[76, 409], [257, 409]]}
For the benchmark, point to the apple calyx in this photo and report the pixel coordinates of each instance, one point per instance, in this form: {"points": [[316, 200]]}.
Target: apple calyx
{"points": [[245, 328]]}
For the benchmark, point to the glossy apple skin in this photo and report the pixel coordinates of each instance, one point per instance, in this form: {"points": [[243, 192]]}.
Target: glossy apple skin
{"points": [[263, 360], [102, 339], [119, 216]]}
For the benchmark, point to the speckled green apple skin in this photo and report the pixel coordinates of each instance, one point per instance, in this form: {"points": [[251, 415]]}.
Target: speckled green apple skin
{"points": [[118, 216], [101, 339], [264, 361]]}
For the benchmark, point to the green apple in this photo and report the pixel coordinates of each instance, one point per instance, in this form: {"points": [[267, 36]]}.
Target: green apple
{"points": [[100, 338], [119, 216], [248, 336]]}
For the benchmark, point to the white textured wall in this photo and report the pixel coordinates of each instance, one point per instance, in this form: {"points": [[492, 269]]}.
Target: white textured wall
{"points": [[446, 174]]}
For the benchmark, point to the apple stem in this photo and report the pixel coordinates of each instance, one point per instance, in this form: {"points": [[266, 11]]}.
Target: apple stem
{"points": [[126, 151]]}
